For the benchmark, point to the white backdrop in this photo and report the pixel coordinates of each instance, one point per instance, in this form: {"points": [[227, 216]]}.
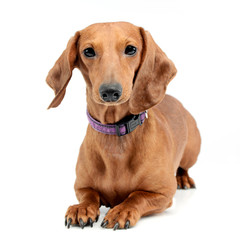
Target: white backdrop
{"points": [[39, 148]]}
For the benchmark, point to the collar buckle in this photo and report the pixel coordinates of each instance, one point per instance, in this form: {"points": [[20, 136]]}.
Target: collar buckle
{"points": [[130, 124]]}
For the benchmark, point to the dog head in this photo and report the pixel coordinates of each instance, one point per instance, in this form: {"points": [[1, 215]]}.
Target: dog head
{"points": [[119, 62]]}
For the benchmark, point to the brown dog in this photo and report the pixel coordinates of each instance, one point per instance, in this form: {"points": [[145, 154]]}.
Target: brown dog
{"points": [[136, 174]]}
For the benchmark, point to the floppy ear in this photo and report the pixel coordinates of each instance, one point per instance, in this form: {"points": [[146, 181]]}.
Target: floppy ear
{"points": [[60, 75], [153, 76]]}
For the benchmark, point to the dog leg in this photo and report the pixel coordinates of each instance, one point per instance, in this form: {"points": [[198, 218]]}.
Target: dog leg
{"points": [[86, 212], [138, 204], [183, 179]]}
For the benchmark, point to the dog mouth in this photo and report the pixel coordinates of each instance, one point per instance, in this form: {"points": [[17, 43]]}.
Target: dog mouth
{"points": [[96, 98], [121, 101]]}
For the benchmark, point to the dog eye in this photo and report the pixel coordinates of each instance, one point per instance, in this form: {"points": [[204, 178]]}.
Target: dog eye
{"points": [[130, 50], [89, 52]]}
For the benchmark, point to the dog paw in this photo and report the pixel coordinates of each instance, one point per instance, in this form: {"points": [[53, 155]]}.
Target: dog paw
{"points": [[121, 216], [82, 215], [183, 180]]}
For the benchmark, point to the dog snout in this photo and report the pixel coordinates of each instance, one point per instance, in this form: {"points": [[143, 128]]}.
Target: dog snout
{"points": [[110, 92]]}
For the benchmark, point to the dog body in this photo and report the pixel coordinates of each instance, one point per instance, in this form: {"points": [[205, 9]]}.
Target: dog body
{"points": [[146, 160], [136, 174]]}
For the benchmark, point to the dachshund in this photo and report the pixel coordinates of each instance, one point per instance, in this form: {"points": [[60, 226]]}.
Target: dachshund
{"points": [[140, 142]]}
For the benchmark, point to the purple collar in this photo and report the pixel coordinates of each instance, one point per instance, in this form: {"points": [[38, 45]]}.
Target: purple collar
{"points": [[123, 127]]}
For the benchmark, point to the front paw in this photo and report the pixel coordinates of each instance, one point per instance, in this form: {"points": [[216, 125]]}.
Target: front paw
{"points": [[82, 214], [121, 216]]}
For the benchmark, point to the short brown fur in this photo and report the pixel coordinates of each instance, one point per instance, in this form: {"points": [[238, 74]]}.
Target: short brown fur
{"points": [[136, 174]]}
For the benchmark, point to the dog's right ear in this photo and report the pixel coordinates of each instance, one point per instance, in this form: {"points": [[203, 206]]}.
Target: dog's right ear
{"points": [[60, 75]]}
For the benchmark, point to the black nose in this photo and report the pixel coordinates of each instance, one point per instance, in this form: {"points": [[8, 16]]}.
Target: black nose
{"points": [[110, 92]]}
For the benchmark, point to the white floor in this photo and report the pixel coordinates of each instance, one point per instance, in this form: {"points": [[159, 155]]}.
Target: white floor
{"points": [[209, 212]]}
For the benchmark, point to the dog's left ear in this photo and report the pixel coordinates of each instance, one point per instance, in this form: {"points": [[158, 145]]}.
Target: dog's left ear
{"points": [[155, 72], [61, 73]]}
